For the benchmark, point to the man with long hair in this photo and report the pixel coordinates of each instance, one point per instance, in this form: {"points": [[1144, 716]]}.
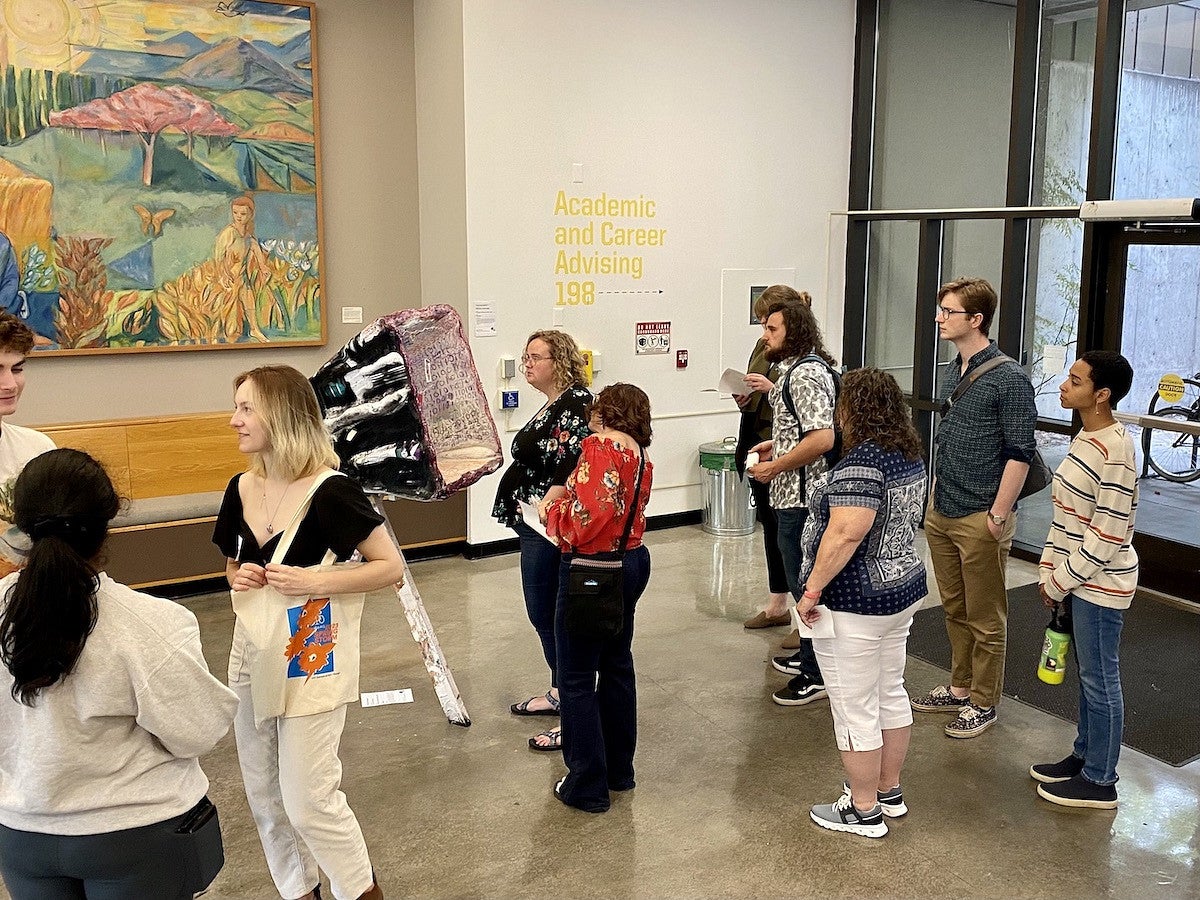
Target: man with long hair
{"points": [[802, 403]]}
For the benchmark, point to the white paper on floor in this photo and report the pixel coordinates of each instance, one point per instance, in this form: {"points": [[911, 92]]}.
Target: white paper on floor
{"points": [[382, 698]]}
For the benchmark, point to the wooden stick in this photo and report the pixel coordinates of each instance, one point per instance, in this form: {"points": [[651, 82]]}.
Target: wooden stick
{"points": [[422, 632]]}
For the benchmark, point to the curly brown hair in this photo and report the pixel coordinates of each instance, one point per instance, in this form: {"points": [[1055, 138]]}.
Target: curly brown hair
{"points": [[871, 407], [624, 407], [564, 353], [15, 336], [803, 333]]}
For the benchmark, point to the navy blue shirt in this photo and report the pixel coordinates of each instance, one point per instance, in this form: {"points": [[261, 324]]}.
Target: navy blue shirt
{"points": [[885, 574]]}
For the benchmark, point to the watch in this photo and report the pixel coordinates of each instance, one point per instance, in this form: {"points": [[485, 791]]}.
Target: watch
{"points": [[996, 520]]}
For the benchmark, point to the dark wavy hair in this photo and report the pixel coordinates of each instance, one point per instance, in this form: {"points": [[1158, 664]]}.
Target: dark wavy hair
{"points": [[803, 333], [871, 407], [624, 407], [64, 501]]}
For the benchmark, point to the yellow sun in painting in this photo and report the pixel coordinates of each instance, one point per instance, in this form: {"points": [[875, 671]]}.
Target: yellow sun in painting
{"points": [[48, 32]]}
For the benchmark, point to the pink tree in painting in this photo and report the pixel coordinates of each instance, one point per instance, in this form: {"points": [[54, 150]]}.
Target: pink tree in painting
{"points": [[203, 118], [145, 110]]}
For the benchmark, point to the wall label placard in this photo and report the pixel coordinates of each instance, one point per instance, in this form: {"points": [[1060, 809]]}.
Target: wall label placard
{"points": [[601, 240], [652, 337]]}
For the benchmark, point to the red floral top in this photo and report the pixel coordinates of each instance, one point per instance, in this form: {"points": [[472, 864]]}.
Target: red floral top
{"points": [[592, 516]]}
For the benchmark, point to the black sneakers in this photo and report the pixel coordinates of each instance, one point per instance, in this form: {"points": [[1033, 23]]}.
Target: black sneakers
{"points": [[1078, 791], [1053, 773], [799, 691]]}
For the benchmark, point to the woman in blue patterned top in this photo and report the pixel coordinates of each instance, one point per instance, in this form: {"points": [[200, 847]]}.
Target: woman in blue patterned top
{"points": [[544, 453], [861, 565]]}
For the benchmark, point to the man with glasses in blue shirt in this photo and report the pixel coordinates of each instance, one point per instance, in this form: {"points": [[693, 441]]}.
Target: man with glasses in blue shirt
{"points": [[984, 446]]}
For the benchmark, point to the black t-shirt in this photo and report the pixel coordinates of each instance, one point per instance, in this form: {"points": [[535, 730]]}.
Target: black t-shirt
{"points": [[339, 518]]}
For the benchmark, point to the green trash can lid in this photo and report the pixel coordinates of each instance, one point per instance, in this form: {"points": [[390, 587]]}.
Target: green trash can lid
{"points": [[719, 455]]}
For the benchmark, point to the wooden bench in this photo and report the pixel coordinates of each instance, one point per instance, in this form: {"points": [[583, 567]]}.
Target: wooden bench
{"points": [[173, 471]]}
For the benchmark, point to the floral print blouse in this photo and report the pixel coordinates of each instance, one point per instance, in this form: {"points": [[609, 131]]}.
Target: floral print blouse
{"points": [[544, 452], [591, 517]]}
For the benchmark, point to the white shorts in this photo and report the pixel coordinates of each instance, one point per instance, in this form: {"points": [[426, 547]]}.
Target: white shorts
{"points": [[863, 668]]}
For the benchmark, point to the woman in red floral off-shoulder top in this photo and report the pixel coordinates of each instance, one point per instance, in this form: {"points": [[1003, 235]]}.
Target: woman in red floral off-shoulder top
{"points": [[595, 677]]}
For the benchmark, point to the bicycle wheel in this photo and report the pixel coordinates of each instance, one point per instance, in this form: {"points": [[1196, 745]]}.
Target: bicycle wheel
{"points": [[1189, 400], [1173, 454]]}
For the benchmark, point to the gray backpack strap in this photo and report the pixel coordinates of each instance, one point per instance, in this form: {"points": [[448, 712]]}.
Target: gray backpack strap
{"points": [[982, 369]]}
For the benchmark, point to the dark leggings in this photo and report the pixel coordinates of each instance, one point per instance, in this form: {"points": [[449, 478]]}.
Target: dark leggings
{"points": [[134, 864], [776, 574]]}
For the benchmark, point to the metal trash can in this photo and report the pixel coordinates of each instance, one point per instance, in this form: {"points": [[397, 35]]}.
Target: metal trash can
{"points": [[727, 509]]}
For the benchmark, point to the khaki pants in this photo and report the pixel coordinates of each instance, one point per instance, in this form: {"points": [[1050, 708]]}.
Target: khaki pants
{"points": [[969, 566]]}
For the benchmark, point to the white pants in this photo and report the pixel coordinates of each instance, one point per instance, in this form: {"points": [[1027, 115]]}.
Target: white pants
{"points": [[292, 774], [863, 667]]}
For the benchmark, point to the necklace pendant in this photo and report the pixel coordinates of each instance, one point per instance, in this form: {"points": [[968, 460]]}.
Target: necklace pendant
{"points": [[270, 528]]}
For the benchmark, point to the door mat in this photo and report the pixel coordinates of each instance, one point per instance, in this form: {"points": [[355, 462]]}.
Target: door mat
{"points": [[1160, 677]]}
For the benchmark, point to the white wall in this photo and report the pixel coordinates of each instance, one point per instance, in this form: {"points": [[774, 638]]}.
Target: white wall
{"points": [[733, 117]]}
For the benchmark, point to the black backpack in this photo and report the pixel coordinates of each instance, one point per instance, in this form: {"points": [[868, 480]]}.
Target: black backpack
{"points": [[833, 455]]}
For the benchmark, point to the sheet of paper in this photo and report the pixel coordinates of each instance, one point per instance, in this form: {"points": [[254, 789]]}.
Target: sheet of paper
{"points": [[383, 698], [731, 382], [530, 514], [1054, 359], [823, 627]]}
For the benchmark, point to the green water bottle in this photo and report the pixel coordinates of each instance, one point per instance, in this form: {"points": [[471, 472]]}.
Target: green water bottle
{"points": [[1052, 668]]}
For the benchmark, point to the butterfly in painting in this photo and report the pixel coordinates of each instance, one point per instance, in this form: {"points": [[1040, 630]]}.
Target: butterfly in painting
{"points": [[152, 222]]}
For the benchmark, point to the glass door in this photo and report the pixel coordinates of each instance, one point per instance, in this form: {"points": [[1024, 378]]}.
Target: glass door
{"points": [[1154, 283]]}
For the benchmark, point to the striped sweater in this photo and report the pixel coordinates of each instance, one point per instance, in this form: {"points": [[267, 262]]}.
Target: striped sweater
{"points": [[1088, 551]]}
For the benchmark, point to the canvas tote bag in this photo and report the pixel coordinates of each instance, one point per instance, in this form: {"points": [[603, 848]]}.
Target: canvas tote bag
{"points": [[301, 652]]}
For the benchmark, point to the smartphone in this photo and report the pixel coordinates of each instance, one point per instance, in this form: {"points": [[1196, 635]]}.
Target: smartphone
{"points": [[196, 817]]}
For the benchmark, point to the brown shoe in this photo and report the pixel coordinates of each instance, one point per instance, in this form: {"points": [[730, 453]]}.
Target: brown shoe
{"points": [[373, 894], [791, 642], [761, 620]]}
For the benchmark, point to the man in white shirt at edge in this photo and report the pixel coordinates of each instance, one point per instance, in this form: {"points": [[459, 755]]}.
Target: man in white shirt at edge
{"points": [[17, 445]]}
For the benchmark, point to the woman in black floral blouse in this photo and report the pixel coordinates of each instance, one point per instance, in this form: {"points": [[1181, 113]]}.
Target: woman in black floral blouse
{"points": [[544, 453]]}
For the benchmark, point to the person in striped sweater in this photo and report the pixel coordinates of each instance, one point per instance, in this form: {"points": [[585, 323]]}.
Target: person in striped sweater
{"points": [[1089, 563]]}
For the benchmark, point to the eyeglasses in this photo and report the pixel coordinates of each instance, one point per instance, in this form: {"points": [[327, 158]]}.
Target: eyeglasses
{"points": [[945, 312], [527, 358]]}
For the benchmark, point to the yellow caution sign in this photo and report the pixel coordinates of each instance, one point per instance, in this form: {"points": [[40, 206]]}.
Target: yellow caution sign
{"points": [[1170, 388]]}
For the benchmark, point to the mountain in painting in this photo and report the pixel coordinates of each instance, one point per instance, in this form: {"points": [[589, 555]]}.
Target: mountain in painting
{"points": [[234, 63], [153, 62], [181, 46], [290, 53]]}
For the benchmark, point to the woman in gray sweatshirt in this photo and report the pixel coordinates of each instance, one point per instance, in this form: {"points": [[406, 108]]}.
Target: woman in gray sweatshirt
{"points": [[106, 704]]}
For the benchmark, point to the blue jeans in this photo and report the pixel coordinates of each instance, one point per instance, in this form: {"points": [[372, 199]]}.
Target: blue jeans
{"points": [[598, 693], [791, 524], [539, 581], [1097, 638]]}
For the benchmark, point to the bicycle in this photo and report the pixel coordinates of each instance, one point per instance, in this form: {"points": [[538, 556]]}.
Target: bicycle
{"points": [[1174, 455]]}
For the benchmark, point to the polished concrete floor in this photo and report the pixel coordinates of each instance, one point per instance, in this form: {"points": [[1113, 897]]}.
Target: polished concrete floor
{"points": [[725, 777]]}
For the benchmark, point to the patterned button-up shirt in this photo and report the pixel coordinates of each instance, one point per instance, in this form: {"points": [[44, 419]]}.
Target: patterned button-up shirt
{"points": [[990, 424], [812, 390]]}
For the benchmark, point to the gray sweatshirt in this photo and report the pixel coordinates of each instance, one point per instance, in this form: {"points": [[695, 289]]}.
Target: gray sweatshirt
{"points": [[114, 745]]}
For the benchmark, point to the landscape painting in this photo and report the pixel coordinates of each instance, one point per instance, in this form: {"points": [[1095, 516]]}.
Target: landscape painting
{"points": [[159, 174]]}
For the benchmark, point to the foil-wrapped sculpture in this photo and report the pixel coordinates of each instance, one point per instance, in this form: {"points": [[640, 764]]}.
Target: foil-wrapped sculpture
{"points": [[405, 407], [408, 417]]}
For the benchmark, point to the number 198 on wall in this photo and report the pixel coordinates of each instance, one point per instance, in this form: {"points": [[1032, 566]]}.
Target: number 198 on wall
{"points": [[574, 293]]}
